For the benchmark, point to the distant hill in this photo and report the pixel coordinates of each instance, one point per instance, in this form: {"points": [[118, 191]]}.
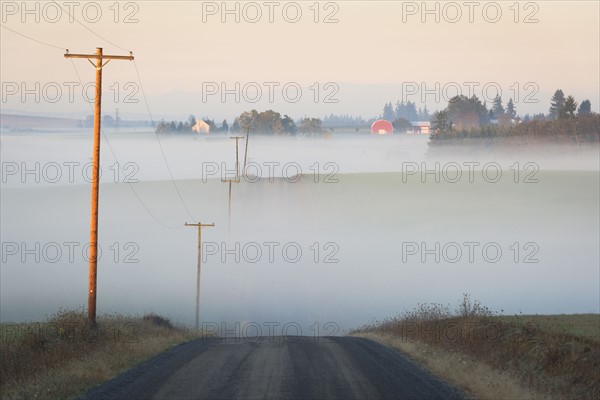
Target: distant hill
{"points": [[10, 121]]}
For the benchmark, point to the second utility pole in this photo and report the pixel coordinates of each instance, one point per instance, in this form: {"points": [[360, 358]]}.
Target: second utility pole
{"points": [[199, 225], [236, 180]]}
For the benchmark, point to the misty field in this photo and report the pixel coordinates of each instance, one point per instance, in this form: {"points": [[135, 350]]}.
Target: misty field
{"points": [[369, 242]]}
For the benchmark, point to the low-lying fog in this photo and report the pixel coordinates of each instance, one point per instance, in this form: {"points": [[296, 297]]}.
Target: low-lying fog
{"points": [[375, 225]]}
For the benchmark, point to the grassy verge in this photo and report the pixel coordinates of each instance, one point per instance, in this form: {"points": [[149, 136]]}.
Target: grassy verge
{"points": [[491, 357], [63, 356]]}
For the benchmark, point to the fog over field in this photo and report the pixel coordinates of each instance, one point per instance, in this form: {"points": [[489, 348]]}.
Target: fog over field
{"points": [[369, 234], [399, 153]]}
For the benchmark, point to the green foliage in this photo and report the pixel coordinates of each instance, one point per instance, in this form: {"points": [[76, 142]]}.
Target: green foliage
{"points": [[236, 126], [510, 109], [466, 113], [557, 104], [272, 123], [310, 126], [584, 108], [440, 122], [402, 125], [388, 112], [497, 106], [578, 129], [570, 107], [288, 125], [407, 111]]}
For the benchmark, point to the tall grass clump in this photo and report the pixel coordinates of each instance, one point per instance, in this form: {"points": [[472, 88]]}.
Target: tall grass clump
{"points": [[64, 355], [554, 362]]}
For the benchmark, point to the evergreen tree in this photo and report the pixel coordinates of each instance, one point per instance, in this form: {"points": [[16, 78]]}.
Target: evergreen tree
{"points": [[440, 121], [569, 107], [399, 109], [510, 109], [497, 107], [236, 125], [225, 126], [584, 108], [557, 104], [425, 115], [411, 111], [388, 112]]}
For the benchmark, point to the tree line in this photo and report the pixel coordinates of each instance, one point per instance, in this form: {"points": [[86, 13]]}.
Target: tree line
{"points": [[469, 118], [266, 122], [407, 111]]}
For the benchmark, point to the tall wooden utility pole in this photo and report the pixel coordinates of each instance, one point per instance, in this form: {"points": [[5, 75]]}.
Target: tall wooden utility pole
{"points": [[99, 57], [237, 158], [236, 180], [246, 151], [199, 225]]}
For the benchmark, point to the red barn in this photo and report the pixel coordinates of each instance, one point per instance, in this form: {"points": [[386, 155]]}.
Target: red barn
{"points": [[382, 127]]}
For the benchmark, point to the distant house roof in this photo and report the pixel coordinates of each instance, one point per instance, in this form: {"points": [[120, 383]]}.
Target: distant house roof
{"points": [[420, 123]]}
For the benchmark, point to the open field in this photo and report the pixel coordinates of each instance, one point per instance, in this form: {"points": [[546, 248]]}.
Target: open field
{"points": [[490, 357], [59, 358], [582, 325], [559, 213]]}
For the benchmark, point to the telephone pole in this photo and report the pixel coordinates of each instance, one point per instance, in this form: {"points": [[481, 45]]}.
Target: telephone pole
{"points": [[92, 274], [199, 225], [246, 151], [236, 180], [237, 162]]}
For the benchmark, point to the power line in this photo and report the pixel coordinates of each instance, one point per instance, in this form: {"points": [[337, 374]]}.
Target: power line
{"points": [[117, 160], [187, 210], [159, 143], [147, 108], [35, 40], [88, 29]]}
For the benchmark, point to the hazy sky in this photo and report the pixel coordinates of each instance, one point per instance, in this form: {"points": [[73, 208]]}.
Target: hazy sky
{"points": [[373, 49]]}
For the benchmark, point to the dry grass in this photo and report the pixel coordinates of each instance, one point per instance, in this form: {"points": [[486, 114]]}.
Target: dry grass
{"points": [[476, 379], [500, 357], [60, 358]]}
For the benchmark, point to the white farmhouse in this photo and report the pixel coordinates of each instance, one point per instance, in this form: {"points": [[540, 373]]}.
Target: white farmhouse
{"points": [[201, 127]]}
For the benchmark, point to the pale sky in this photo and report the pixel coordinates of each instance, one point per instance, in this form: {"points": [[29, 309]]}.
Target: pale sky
{"points": [[369, 53]]}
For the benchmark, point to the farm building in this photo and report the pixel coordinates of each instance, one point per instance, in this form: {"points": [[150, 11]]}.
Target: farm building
{"points": [[423, 127], [201, 126], [382, 127]]}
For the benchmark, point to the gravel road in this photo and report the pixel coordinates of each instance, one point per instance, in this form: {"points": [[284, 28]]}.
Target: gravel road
{"points": [[277, 368]]}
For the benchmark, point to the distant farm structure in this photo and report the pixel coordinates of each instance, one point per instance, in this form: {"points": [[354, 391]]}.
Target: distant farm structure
{"points": [[382, 127], [421, 127], [201, 127]]}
